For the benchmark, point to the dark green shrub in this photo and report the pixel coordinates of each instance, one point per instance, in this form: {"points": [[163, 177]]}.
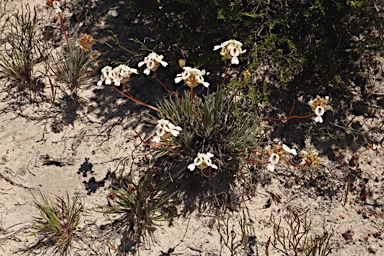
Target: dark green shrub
{"points": [[213, 123]]}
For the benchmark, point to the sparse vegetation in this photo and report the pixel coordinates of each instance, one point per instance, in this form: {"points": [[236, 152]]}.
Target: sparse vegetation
{"points": [[237, 126], [58, 221], [293, 237]]}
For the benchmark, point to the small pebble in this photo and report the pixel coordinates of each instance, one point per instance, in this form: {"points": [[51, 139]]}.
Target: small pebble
{"points": [[372, 249]]}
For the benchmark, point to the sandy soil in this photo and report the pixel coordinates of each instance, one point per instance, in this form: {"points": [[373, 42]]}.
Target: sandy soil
{"points": [[63, 149]]}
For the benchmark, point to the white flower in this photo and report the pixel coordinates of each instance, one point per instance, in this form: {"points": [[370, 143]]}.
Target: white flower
{"points": [[289, 150], [123, 73], [230, 49], [107, 75], [273, 160], [319, 106], [152, 61], [319, 111], [192, 77], [165, 129], [202, 161], [56, 6]]}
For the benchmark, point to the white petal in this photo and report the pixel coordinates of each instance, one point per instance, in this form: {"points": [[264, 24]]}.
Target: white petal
{"points": [[174, 133], [217, 47], [164, 63], [108, 81], [293, 152], [274, 158], [206, 84], [156, 139], [318, 119], [235, 60], [178, 79], [160, 132], [234, 52], [271, 167], [213, 166], [210, 154], [289, 150], [100, 82], [319, 111], [141, 63], [191, 167], [198, 161], [147, 71]]}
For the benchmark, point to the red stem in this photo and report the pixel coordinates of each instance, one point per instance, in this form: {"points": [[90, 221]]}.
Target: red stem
{"points": [[285, 118], [158, 144], [166, 88], [226, 74], [134, 99], [62, 27]]}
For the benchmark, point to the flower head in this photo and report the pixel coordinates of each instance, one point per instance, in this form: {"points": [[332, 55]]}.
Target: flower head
{"points": [[230, 49], [123, 73], [276, 153], [273, 160], [85, 42], [164, 129], [120, 74], [319, 106], [107, 75], [55, 4], [152, 61], [309, 160], [202, 161], [192, 77]]}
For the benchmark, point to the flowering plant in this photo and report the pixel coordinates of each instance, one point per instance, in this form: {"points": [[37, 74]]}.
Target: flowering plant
{"points": [[152, 62], [192, 77], [230, 49]]}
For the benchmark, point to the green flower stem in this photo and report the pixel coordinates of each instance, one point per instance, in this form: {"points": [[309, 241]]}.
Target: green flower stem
{"points": [[129, 96], [285, 118]]}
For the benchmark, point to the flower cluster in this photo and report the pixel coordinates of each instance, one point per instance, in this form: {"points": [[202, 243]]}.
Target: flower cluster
{"points": [[276, 153], [309, 160], [319, 106], [85, 42], [202, 161], [152, 61], [230, 49], [120, 74], [192, 77], [164, 129]]}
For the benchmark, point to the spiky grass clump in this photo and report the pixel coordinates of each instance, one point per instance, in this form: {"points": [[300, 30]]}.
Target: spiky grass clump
{"points": [[22, 51], [214, 123], [141, 203], [58, 221], [71, 67]]}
